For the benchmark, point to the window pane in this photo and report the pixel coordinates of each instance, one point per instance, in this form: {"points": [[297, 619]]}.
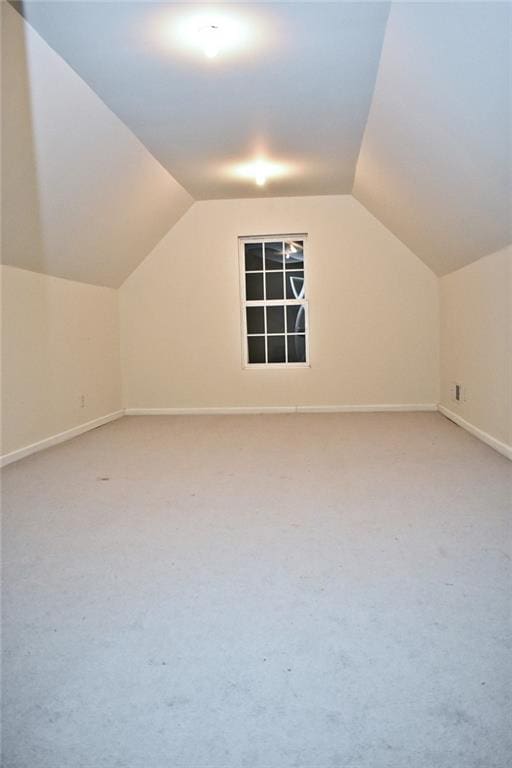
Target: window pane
{"points": [[295, 285], [296, 349], [273, 255], [296, 319], [254, 287], [255, 320], [256, 348], [275, 319], [275, 301], [294, 254], [276, 350], [274, 285], [253, 256]]}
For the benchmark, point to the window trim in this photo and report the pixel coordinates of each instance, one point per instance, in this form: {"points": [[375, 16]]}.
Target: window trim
{"points": [[242, 239]]}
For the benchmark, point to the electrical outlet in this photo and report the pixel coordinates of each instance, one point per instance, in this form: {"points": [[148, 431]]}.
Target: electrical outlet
{"points": [[82, 401], [457, 392]]}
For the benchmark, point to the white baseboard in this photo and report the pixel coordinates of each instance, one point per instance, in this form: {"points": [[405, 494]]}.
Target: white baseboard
{"points": [[217, 411], [234, 410], [379, 408], [20, 453], [485, 437]]}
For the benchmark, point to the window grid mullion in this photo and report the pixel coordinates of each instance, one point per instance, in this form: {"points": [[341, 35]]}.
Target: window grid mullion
{"points": [[284, 308], [278, 333], [275, 302], [265, 302]]}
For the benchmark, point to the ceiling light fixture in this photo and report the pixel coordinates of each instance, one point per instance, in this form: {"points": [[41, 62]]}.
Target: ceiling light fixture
{"points": [[210, 37], [210, 33], [260, 171], [260, 176]]}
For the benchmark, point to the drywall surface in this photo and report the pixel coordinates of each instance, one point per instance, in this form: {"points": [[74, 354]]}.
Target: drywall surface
{"points": [[294, 79], [82, 197], [373, 312], [476, 343], [60, 341], [436, 159]]}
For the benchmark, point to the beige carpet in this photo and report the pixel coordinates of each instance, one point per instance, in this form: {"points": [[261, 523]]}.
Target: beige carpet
{"points": [[302, 591]]}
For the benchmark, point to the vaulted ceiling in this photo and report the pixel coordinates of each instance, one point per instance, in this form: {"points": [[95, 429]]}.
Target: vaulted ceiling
{"points": [[405, 105], [299, 90]]}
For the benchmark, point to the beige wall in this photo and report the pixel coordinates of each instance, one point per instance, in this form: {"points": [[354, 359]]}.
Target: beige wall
{"points": [[373, 316], [373, 312], [476, 343], [60, 340]]}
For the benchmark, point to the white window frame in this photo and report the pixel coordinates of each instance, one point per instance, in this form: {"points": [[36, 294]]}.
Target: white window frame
{"points": [[242, 240]]}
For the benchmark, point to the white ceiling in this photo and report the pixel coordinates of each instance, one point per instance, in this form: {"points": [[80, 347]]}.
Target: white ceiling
{"points": [[409, 109], [298, 88]]}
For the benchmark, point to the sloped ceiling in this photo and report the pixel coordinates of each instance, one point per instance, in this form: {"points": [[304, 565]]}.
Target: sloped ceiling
{"points": [[410, 112], [82, 198], [436, 162], [298, 88]]}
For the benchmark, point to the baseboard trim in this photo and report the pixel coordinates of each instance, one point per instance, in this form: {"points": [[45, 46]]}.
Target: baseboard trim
{"points": [[61, 437], [485, 437], [218, 411], [255, 409], [379, 408]]}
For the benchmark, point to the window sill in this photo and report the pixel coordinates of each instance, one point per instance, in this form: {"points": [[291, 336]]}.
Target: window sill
{"points": [[274, 366]]}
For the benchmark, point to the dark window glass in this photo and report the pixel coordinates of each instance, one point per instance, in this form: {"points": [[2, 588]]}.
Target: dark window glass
{"points": [[273, 255], [253, 256], [275, 319], [294, 254], [295, 319], [276, 349], [274, 275], [274, 285], [296, 349], [294, 285], [254, 287], [255, 320], [256, 347]]}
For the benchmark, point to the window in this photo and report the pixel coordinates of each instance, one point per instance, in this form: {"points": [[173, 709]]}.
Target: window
{"points": [[274, 305]]}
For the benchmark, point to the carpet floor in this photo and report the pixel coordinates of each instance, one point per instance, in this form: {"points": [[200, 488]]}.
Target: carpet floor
{"points": [[284, 591]]}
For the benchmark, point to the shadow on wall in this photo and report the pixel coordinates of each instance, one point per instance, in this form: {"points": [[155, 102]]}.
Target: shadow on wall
{"points": [[22, 229]]}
